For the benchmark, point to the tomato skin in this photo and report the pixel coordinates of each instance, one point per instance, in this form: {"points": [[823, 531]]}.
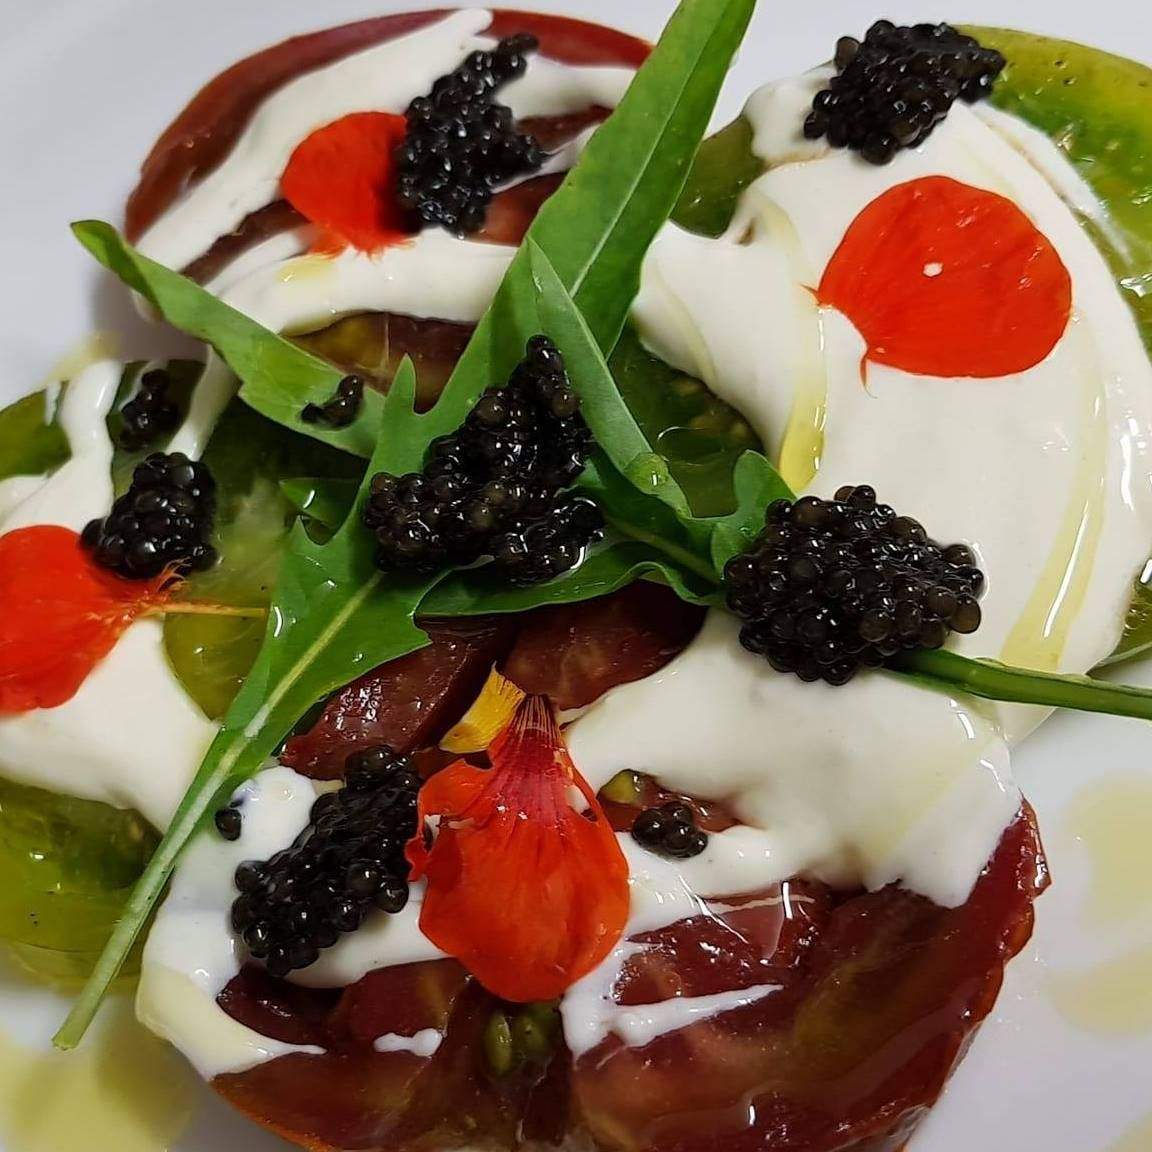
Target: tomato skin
{"points": [[407, 703], [574, 653], [200, 137], [852, 1050]]}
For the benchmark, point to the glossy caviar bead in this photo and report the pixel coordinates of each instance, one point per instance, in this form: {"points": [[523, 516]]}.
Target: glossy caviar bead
{"points": [[150, 413], [895, 86], [229, 822], [495, 488], [341, 409], [832, 586], [461, 144], [670, 830], [164, 521], [346, 863]]}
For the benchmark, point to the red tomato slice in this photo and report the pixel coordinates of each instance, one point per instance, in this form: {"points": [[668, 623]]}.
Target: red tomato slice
{"points": [[573, 653], [876, 1006], [880, 995], [407, 703], [200, 137]]}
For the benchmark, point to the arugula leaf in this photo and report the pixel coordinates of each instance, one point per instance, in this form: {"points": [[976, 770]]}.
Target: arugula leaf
{"points": [[278, 377], [992, 680], [596, 228], [608, 566], [334, 615], [318, 500], [31, 439]]}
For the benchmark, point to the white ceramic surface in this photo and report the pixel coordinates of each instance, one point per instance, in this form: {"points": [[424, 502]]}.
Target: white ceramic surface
{"points": [[85, 86]]}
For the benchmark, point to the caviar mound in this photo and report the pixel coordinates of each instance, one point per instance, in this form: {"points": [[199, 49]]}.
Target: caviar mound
{"points": [[164, 522], [895, 86], [461, 143], [495, 489], [832, 586], [348, 861]]}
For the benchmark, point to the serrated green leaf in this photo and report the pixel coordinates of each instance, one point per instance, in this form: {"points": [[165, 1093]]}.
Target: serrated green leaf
{"points": [[278, 377], [334, 616], [31, 440]]}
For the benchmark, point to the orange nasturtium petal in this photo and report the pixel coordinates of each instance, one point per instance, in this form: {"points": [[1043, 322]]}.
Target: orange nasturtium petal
{"points": [[944, 279], [60, 615], [342, 178], [527, 885]]}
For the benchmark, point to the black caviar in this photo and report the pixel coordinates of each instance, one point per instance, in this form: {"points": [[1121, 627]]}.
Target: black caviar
{"points": [[229, 822], [347, 862], [496, 487], [342, 409], [164, 521], [895, 86], [831, 586], [461, 144], [670, 830], [150, 413]]}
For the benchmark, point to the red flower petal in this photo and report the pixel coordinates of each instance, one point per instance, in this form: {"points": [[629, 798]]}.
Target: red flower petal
{"points": [[943, 279], [342, 179], [524, 890], [60, 615]]}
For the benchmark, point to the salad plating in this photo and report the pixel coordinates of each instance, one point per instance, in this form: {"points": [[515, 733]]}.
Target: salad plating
{"points": [[494, 875]]}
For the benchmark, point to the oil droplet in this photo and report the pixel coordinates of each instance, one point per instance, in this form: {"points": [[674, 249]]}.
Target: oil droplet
{"points": [[123, 1090], [94, 347], [1137, 1139], [1114, 998], [648, 471], [1111, 820]]}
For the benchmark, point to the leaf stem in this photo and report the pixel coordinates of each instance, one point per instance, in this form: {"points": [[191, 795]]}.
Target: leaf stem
{"points": [[206, 608], [682, 556], [994, 681]]}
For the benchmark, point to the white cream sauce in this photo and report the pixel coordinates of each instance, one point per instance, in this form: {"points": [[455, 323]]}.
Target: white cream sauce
{"points": [[424, 1043], [130, 737], [192, 951], [1044, 474], [81, 488]]}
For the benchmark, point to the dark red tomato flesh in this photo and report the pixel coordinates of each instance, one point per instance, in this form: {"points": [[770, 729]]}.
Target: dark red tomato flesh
{"points": [[200, 137], [353, 1097], [878, 996], [573, 653], [407, 703], [872, 1014]]}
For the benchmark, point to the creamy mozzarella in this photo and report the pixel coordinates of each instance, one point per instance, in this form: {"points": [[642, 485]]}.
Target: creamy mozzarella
{"points": [[192, 951], [130, 737]]}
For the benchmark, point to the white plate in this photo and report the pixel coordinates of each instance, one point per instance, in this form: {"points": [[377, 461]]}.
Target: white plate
{"points": [[85, 86]]}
